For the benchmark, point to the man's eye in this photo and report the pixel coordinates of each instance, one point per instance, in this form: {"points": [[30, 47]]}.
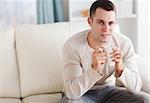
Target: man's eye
{"points": [[100, 22], [111, 23]]}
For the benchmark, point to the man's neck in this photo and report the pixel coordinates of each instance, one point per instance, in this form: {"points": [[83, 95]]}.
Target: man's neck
{"points": [[93, 43]]}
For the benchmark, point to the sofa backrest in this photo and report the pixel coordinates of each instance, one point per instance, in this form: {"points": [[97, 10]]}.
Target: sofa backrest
{"points": [[9, 81], [144, 70], [39, 49]]}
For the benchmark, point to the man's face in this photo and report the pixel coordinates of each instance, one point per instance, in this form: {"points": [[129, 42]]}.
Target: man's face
{"points": [[102, 24]]}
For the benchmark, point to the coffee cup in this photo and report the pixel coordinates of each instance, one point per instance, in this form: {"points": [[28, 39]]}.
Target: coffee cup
{"points": [[108, 51]]}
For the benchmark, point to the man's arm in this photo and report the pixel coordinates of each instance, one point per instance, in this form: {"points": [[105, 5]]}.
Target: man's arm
{"points": [[76, 82], [126, 70]]}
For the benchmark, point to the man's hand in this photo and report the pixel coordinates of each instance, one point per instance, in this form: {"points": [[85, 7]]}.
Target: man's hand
{"points": [[117, 58], [98, 58]]}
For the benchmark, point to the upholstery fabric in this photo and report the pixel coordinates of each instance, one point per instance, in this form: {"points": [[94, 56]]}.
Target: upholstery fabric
{"points": [[144, 72], [9, 81], [10, 100], [39, 55], [43, 98]]}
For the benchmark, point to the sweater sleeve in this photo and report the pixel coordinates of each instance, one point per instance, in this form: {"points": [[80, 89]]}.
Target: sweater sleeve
{"points": [[76, 82], [130, 77]]}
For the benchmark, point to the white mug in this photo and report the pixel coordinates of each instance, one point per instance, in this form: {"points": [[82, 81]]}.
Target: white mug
{"points": [[108, 51]]}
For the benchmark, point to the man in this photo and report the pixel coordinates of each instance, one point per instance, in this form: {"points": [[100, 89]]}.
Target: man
{"points": [[95, 59]]}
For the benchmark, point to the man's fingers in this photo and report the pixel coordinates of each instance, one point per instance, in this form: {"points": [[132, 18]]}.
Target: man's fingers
{"points": [[100, 58], [116, 52], [116, 55], [115, 48], [116, 60], [98, 49]]}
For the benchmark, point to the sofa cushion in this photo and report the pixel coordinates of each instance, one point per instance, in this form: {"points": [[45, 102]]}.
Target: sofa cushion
{"points": [[10, 100], [9, 82], [39, 49], [43, 98], [39, 53], [144, 69]]}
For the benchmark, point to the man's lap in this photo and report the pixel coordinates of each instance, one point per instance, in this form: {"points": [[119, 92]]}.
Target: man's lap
{"points": [[109, 94]]}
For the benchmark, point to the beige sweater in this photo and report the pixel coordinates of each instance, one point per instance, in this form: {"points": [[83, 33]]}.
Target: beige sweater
{"points": [[79, 77]]}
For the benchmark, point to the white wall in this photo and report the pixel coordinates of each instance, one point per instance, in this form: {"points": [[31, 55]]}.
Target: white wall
{"points": [[148, 28], [142, 31], [148, 5]]}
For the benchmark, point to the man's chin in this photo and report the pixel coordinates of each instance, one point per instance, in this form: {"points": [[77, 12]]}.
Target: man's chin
{"points": [[104, 41]]}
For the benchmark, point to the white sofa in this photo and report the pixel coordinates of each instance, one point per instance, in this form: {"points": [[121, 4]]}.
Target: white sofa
{"points": [[31, 62]]}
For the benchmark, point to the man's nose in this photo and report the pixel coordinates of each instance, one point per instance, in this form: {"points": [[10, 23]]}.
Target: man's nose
{"points": [[106, 28]]}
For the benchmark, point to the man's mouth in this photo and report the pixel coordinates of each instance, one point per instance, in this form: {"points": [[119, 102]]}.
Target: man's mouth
{"points": [[104, 35]]}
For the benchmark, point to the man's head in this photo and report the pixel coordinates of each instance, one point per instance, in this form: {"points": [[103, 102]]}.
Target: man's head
{"points": [[102, 19], [103, 4]]}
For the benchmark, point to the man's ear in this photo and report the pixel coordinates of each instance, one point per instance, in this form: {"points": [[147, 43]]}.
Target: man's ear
{"points": [[90, 21]]}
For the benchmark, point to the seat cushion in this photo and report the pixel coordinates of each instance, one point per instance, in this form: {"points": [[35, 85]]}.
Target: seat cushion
{"points": [[10, 100], [39, 51], [44, 98], [9, 81], [144, 70], [39, 55]]}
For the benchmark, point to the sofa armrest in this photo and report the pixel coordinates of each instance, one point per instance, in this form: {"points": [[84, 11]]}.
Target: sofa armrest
{"points": [[144, 70]]}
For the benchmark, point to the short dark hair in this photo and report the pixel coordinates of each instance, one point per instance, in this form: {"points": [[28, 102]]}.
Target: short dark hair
{"points": [[104, 4]]}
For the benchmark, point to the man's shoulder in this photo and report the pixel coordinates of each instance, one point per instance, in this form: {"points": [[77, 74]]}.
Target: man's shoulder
{"points": [[120, 37], [122, 41]]}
